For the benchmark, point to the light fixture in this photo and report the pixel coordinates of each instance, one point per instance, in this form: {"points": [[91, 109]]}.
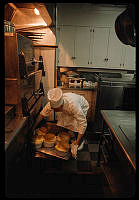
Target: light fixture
{"points": [[36, 11]]}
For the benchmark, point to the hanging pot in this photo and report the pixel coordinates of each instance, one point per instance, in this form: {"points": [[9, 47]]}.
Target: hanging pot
{"points": [[125, 26]]}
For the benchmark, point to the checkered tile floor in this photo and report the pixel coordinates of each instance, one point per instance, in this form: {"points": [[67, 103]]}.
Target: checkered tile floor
{"points": [[48, 177], [86, 159]]}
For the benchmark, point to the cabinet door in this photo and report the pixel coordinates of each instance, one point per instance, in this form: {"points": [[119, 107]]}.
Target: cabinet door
{"points": [[99, 47], [82, 46], [115, 51], [129, 58], [66, 46]]}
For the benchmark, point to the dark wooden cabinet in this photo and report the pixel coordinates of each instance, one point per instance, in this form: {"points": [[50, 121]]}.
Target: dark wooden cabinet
{"points": [[11, 56], [12, 76]]}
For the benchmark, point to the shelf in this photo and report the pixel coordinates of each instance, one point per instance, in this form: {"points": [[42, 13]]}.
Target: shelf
{"points": [[11, 79], [50, 46], [8, 34]]}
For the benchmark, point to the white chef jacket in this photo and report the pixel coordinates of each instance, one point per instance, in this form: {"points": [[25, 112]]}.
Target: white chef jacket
{"points": [[73, 115]]}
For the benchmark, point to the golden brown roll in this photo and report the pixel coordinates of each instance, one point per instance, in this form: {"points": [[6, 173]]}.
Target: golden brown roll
{"points": [[50, 140], [37, 140], [42, 131], [61, 146], [63, 136], [50, 137]]}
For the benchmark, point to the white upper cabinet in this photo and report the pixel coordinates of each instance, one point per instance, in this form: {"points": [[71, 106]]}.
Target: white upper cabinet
{"points": [[129, 59], [66, 43], [99, 47], [115, 51], [87, 38], [82, 46], [73, 46]]}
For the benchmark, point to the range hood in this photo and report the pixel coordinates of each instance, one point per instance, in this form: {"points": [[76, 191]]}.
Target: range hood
{"points": [[26, 22], [125, 26]]}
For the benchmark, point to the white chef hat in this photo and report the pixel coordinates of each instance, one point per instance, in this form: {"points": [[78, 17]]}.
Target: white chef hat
{"points": [[55, 96]]}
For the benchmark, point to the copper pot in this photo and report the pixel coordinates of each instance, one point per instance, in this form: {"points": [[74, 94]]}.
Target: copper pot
{"points": [[125, 26]]}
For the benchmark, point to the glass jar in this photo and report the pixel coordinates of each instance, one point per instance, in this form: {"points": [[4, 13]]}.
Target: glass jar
{"points": [[9, 27]]}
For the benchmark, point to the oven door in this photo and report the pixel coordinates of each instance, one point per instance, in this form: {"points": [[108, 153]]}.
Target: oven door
{"points": [[110, 96]]}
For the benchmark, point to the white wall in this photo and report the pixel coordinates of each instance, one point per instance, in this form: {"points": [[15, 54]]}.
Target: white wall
{"points": [[87, 14], [48, 55]]}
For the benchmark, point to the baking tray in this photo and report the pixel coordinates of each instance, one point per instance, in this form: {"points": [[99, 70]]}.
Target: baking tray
{"points": [[52, 152], [53, 128]]}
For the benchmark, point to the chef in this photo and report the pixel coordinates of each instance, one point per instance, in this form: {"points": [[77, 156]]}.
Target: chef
{"points": [[72, 110]]}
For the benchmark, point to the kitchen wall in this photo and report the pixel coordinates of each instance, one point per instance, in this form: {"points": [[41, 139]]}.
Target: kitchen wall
{"points": [[87, 14], [25, 45], [48, 80], [48, 54]]}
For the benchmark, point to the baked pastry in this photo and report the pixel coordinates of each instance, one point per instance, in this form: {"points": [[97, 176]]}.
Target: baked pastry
{"points": [[37, 141], [62, 146], [63, 136], [42, 131], [50, 137], [50, 140]]}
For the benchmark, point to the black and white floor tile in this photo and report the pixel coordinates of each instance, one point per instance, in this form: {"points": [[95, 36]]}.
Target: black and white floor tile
{"points": [[80, 177]]}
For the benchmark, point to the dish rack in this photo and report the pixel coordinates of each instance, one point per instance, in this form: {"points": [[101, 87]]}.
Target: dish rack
{"points": [[76, 82]]}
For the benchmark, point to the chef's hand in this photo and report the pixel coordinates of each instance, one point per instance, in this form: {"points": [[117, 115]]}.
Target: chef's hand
{"points": [[74, 148]]}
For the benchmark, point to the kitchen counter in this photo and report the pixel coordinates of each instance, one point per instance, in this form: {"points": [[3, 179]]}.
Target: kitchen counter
{"points": [[122, 125], [126, 80], [12, 129], [77, 88]]}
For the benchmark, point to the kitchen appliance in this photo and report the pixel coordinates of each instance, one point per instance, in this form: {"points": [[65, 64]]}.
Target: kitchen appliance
{"points": [[114, 93], [31, 94]]}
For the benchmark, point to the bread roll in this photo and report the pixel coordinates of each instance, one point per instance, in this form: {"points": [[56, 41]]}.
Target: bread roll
{"points": [[50, 140], [50, 137], [42, 131], [62, 146], [37, 139], [63, 136]]}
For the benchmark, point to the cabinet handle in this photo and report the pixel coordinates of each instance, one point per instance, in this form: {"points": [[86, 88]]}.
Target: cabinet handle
{"points": [[73, 57], [88, 62]]}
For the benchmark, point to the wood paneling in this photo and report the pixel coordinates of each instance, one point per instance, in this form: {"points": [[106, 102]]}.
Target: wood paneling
{"points": [[12, 77], [8, 12], [11, 56], [11, 89]]}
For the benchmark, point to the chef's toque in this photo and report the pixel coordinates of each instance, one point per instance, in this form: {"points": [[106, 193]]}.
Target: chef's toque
{"points": [[55, 96]]}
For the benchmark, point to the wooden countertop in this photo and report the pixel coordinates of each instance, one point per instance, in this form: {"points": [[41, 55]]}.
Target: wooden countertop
{"points": [[7, 109], [122, 125]]}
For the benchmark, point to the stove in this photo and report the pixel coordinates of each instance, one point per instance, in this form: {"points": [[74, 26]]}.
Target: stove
{"points": [[115, 93]]}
